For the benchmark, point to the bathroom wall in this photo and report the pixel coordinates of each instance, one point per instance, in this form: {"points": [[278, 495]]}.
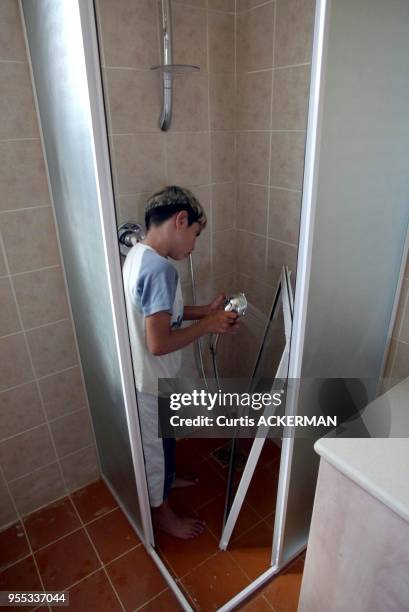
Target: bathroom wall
{"points": [[198, 150], [397, 366], [47, 445], [274, 46], [237, 135]]}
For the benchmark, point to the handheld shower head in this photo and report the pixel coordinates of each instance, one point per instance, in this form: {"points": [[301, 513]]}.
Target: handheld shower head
{"points": [[236, 303]]}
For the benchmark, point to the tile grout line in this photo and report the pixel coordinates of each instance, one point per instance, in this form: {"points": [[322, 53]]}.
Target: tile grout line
{"points": [[30, 358], [99, 558], [24, 208], [30, 329], [45, 465], [26, 535]]}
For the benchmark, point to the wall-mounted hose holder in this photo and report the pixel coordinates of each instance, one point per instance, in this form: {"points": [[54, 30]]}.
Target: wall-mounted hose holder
{"points": [[168, 69]]}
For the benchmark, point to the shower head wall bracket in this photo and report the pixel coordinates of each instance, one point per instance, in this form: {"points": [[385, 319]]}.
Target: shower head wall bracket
{"points": [[168, 70]]}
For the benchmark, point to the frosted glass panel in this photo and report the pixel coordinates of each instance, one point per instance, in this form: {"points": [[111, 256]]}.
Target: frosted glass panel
{"points": [[361, 216], [55, 41]]}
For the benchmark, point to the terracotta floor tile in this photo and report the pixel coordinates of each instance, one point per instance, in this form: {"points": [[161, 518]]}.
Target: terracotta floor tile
{"points": [[136, 578], [13, 545], [66, 561], [255, 604], [213, 512], [22, 576], [112, 535], [93, 593], [214, 582], [253, 550], [262, 492], [50, 523], [210, 485], [283, 591], [93, 501], [165, 602], [184, 555]]}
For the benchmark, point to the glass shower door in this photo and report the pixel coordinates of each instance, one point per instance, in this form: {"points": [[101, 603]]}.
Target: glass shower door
{"points": [[272, 360]]}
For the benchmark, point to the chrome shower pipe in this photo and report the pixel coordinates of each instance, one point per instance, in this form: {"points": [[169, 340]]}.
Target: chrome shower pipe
{"points": [[199, 342], [166, 116]]}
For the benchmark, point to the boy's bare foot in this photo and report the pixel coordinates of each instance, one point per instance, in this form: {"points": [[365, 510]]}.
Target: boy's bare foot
{"points": [[185, 528], [184, 481]]}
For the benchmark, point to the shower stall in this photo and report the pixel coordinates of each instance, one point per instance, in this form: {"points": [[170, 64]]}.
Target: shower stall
{"points": [[294, 136]]}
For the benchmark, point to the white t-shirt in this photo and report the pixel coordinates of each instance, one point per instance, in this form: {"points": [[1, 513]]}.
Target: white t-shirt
{"points": [[151, 285]]}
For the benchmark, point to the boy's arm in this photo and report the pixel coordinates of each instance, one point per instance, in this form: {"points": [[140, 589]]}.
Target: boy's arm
{"points": [[162, 339], [194, 313]]}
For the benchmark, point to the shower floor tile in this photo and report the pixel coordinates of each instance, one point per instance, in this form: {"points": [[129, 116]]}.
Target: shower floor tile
{"points": [[112, 535], [13, 545], [104, 567], [93, 501], [51, 523], [214, 582]]}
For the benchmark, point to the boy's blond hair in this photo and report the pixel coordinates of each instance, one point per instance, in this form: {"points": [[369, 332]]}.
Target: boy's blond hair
{"points": [[164, 203]]}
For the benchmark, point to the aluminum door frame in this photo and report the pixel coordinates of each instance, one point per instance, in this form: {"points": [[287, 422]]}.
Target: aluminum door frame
{"points": [[285, 291]]}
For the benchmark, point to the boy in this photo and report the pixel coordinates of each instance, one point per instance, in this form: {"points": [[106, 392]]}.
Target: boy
{"points": [[174, 219]]}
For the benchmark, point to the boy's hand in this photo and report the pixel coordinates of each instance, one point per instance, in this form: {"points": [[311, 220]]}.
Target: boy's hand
{"points": [[218, 302], [220, 322]]}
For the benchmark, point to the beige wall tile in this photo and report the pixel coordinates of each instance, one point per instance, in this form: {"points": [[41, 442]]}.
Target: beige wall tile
{"points": [[404, 330], [245, 5], [287, 159], [12, 45], [52, 347], [26, 452], [7, 512], [202, 254], [130, 33], [255, 38], [3, 270], [23, 180], [63, 393], [15, 368], [195, 3], [80, 468], [222, 102], [41, 297], [290, 98], [20, 409], [221, 42], [17, 112], [203, 194], [189, 36], [254, 101], [40, 248], [401, 309], [223, 206], [72, 432], [252, 250], [252, 203], [223, 157], [400, 368], [33, 491], [284, 215], [9, 321], [134, 100], [188, 158], [279, 255], [182, 267], [222, 5], [252, 155], [406, 273], [294, 31], [140, 163], [132, 208], [190, 103], [224, 252], [254, 290]]}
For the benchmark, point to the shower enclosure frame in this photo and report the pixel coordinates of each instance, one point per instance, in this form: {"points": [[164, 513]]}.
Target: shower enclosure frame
{"points": [[108, 224]]}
